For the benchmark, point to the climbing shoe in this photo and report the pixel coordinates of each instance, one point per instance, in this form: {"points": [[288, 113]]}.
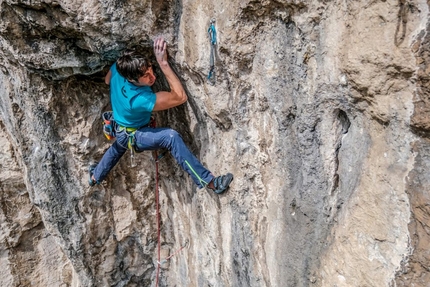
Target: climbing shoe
{"points": [[91, 169], [222, 182]]}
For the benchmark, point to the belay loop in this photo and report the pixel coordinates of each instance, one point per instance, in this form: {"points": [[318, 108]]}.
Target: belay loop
{"points": [[212, 36]]}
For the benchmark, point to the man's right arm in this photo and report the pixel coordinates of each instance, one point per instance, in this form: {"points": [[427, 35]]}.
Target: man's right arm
{"points": [[108, 76], [177, 95]]}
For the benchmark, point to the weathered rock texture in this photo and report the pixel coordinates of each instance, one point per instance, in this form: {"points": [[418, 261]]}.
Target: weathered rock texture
{"points": [[321, 109]]}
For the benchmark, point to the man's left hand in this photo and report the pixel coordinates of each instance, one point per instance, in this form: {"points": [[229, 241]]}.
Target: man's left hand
{"points": [[160, 51]]}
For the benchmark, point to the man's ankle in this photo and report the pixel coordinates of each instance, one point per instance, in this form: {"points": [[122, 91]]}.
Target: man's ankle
{"points": [[211, 184]]}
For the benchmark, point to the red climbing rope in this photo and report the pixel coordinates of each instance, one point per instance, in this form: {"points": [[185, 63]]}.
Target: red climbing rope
{"points": [[153, 124], [157, 198]]}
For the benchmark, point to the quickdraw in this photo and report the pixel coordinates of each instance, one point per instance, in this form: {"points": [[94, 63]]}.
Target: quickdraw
{"points": [[212, 36]]}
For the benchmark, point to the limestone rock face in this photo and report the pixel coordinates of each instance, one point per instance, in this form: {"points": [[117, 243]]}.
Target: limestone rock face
{"points": [[30, 255], [320, 109]]}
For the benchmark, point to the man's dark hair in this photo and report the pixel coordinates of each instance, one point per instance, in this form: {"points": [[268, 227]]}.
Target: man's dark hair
{"points": [[132, 64]]}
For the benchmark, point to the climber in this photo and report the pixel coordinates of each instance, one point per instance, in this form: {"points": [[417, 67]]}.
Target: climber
{"points": [[133, 101]]}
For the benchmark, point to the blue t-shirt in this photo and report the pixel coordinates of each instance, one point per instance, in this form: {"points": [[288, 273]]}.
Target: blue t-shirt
{"points": [[132, 105]]}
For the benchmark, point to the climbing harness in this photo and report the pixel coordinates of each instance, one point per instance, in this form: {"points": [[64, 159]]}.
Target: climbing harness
{"points": [[110, 127], [131, 144], [212, 36]]}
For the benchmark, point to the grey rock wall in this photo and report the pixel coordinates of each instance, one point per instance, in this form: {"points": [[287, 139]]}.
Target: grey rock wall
{"points": [[319, 108]]}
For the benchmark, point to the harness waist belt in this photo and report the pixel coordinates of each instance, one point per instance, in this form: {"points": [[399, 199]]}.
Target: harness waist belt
{"points": [[131, 130]]}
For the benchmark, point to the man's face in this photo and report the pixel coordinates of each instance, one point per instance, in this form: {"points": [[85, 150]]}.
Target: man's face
{"points": [[148, 79]]}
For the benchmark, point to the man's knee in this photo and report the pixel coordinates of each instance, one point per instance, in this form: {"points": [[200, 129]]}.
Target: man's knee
{"points": [[173, 134]]}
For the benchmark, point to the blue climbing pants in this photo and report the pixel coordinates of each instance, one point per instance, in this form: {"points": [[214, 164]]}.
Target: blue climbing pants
{"points": [[148, 138]]}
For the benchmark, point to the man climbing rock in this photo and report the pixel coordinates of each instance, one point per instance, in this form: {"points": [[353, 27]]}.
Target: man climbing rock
{"points": [[133, 101]]}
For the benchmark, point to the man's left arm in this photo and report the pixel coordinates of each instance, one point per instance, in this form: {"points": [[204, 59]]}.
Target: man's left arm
{"points": [[176, 96]]}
